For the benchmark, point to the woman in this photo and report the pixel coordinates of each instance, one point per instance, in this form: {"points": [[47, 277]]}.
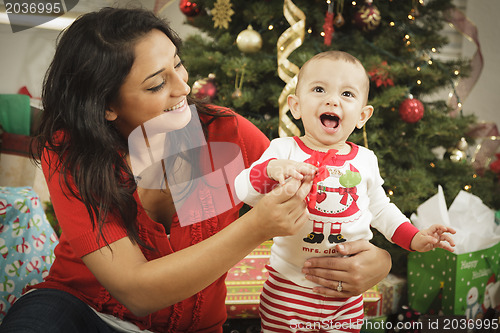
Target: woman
{"points": [[124, 262]]}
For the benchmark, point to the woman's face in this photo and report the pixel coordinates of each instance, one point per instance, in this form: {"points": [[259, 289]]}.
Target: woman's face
{"points": [[156, 85]]}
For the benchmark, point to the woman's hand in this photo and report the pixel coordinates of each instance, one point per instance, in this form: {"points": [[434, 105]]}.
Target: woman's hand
{"points": [[280, 170], [140, 285], [363, 266], [282, 212]]}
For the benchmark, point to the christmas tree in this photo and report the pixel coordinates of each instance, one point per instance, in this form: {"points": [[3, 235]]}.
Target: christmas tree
{"points": [[252, 49]]}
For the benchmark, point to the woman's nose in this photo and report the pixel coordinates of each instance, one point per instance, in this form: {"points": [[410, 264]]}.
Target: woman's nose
{"points": [[181, 87], [185, 89]]}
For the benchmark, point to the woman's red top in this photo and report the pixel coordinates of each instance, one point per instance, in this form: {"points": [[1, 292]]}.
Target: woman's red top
{"points": [[203, 312]]}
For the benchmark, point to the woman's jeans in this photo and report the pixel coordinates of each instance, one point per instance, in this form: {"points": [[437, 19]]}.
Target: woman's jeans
{"points": [[51, 310]]}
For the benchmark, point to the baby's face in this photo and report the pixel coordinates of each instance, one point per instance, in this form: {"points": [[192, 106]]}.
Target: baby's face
{"points": [[331, 100]]}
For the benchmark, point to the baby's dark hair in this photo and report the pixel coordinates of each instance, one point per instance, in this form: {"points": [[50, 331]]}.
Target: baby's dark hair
{"points": [[333, 55]]}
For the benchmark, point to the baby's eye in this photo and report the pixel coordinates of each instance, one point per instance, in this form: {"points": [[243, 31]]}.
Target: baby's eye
{"points": [[318, 89], [347, 94]]}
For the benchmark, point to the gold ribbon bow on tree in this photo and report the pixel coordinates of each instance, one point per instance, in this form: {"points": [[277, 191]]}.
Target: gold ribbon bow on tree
{"points": [[289, 40]]}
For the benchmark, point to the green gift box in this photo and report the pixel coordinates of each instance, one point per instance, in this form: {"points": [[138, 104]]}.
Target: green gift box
{"points": [[457, 283], [15, 113]]}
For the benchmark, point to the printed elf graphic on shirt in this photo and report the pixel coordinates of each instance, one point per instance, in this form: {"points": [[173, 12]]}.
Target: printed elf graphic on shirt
{"points": [[333, 197]]}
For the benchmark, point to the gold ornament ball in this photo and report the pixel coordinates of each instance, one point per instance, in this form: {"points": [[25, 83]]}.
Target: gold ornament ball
{"points": [[249, 40], [339, 20], [237, 94]]}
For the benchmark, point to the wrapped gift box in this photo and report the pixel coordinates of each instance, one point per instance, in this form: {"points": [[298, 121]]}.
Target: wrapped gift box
{"points": [[372, 299], [392, 289], [244, 283], [27, 243]]}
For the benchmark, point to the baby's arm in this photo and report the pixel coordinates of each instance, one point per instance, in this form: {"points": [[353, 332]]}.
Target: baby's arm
{"points": [[280, 169], [432, 237]]}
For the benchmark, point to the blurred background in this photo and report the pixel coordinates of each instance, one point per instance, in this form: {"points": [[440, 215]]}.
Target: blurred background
{"points": [[25, 55]]}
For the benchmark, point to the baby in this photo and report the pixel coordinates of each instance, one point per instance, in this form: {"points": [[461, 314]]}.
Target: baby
{"points": [[347, 197]]}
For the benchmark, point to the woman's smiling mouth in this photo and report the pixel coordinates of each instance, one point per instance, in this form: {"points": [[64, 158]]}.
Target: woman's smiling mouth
{"points": [[177, 106]]}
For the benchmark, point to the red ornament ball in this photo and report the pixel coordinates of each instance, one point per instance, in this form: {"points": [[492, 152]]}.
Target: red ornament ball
{"points": [[411, 110], [189, 8], [205, 89], [367, 18]]}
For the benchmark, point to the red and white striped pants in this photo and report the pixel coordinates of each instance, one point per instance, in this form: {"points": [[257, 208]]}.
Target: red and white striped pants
{"points": [[288, 307]]}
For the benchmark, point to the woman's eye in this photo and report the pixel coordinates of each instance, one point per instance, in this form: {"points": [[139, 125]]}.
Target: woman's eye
{"points": [[157, 88], [179, 64]]}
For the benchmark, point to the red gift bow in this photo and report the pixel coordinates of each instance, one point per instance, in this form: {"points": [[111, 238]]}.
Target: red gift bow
{"points": [[344, 192], [319, 160]]}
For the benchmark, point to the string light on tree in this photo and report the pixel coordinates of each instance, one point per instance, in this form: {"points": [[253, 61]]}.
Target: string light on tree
{"points": [[414, 12], [407, 40]]}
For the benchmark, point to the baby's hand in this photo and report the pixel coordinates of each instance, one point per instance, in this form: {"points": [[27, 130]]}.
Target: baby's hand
{"points": [[280, 170], [432, 237]]}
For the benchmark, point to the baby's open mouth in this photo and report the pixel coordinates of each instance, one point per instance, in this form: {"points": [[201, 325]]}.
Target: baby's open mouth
{"points": [[330, 120]]}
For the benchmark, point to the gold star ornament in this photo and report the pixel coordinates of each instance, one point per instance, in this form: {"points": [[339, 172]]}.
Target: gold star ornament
{"points": [[221, 13]]}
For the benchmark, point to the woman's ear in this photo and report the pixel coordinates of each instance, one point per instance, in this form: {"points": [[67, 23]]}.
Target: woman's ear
{"points": [[366, 113], [110, 115], [294, 105]]}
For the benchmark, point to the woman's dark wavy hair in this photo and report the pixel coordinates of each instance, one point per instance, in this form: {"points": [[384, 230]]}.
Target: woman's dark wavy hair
{"points": [[92, 59]]}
